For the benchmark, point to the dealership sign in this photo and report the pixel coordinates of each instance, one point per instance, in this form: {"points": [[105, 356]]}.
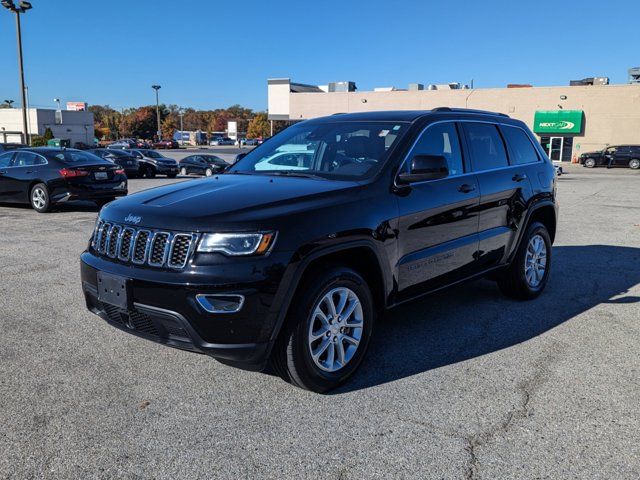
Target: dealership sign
{"points": [[558, 121]]}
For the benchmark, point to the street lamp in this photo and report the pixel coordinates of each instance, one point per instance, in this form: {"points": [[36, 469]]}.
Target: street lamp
{"points": [[156, 88], [20, 8], [181, 115]]}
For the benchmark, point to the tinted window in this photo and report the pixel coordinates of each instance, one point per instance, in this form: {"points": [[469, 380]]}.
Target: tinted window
{"points": [[26, 159], [520, 147], [440, 139], [5, 159], [487, 148]]}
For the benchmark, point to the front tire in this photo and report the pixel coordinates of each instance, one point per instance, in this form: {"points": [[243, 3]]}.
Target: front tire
{"points": [[327, 331], [634, 163], [528, 274], [39, 198], [589, 163]]}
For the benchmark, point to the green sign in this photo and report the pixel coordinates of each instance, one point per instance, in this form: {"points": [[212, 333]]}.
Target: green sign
{"points": [[558, 121]]}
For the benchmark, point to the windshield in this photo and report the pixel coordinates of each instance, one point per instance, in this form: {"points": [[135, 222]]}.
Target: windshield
{"points": [[337, 151], [72, 156]]}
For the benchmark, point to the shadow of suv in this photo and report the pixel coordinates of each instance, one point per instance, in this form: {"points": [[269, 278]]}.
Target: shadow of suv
{"points": [[290, 263]]}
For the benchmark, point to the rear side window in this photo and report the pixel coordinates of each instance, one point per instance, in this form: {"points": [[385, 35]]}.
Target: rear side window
{"points": [[440, 139], [520, 147], [487, 147], [27, 159]]}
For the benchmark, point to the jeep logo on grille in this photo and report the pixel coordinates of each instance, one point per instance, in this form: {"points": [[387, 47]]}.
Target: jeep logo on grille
{"points": [[133, 219]]}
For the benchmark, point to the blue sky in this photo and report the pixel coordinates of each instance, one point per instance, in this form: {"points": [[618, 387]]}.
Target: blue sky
{"points": [[209, 54]]}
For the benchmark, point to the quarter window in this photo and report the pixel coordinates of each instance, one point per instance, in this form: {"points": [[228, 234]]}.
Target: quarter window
{"points": [[487, 147], [520, 147], [440, 139]]}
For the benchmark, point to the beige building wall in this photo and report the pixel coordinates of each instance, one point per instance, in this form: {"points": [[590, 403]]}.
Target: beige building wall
{"points": [[611, 112]]}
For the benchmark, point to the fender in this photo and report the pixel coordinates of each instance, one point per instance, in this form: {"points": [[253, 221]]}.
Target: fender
{"points": [[292, 277], [535, 206]]}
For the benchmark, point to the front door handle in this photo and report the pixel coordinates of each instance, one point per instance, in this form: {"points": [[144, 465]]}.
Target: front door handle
{"points": [[518, 177], [466, 188], [29, 171]]}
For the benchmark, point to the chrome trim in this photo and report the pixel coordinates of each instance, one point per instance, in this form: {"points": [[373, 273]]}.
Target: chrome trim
{"points": [[126, 257], [201, 298], [193, 240], [108, 245], [167, 245], [146, 247]]}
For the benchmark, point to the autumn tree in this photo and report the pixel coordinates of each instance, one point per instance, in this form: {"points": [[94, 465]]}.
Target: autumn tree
{"points": [[259, 126]]}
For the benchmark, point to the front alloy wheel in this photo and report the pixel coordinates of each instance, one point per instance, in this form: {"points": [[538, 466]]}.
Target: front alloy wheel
{"points": [[589, 163], [327, 330]]}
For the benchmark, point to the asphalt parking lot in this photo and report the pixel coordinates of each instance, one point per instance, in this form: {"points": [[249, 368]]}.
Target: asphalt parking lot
{"points": [[464, 384]]}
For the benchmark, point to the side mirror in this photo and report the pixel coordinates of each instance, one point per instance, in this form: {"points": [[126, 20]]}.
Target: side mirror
{"points": [[425, 167]]}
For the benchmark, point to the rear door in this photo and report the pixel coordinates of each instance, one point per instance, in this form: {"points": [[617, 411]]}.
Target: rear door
{"points": [[438, 222], [622, 156], [504, 185]]}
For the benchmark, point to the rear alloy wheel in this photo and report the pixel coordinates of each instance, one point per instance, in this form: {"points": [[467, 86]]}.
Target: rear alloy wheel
{"points": [[327, 331], [528, 273], [589, 163], [634, 163], [208, 172], [40, 198], [149, 172], [183, 171]]}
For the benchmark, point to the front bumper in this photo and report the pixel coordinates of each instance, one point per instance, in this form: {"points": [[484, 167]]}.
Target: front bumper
{"points": [[163, 308], [166, 169]]}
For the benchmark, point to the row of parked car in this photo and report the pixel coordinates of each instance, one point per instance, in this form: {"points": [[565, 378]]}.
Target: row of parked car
{"points": [[48, 176]]}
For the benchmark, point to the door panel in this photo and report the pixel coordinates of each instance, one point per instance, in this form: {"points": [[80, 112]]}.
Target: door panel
{"points": [[438, 219], [438, 231]]}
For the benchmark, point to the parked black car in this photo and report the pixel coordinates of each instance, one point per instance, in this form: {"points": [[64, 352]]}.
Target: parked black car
{"points": [[294, 263], [153, 163], [45, 177], [615, 156], [126, 160], [5, 147], [202, 165]]}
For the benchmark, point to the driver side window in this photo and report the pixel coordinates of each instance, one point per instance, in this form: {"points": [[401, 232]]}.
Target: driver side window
{"points": [[440, 139]]}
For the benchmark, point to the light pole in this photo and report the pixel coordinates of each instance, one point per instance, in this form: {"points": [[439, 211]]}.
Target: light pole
{"points": [[156, 88], [20, 8], [181, 115]]}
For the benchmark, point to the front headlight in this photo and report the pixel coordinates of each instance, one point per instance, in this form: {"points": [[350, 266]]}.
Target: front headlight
{"points": [[235, 244]]}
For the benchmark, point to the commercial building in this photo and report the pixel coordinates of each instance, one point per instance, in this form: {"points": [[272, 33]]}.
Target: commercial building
{"points": [[76, 126], [568, 120]]}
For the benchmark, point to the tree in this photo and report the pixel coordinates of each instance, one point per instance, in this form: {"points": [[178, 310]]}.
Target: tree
{"points": [[169, 127], [259, 126], [48, 135], [139, 123]]}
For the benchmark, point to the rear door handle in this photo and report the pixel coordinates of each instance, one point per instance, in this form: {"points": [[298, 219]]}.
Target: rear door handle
{"points": [[518, 177], [466, 188]]}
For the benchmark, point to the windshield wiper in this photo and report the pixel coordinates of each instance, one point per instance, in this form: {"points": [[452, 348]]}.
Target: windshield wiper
{"points": [[292, 173]]}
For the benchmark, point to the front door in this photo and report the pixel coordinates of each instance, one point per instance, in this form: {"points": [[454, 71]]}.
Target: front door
{"points": [[438, 220]]}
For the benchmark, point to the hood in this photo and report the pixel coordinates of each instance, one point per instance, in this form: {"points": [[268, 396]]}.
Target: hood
{"points": [[231, 201], [588, 154]]}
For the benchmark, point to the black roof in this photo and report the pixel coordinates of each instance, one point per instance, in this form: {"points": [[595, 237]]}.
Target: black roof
{"points": [[403, 115]]}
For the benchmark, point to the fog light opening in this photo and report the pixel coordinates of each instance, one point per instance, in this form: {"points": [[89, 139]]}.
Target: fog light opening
{"points": [[220, 303]]}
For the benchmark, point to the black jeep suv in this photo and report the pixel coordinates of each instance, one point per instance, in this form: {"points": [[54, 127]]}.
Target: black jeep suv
{"points": [[291, 255], [616, 156]]}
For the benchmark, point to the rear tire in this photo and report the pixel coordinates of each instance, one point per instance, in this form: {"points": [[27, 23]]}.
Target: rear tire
{"points": [[39, 198], [310, 326], [528, 273], [634, 163], [208, 172], [183, 172]]}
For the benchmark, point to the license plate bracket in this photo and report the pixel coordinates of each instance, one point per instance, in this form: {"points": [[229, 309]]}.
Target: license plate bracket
{"points": [[113, 289]]}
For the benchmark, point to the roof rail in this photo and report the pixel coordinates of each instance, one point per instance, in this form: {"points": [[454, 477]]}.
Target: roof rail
{"points": [[468, 110]]}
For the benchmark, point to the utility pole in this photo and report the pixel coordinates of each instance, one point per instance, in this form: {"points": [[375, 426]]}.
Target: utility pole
{"points": [[156, 88], [21, 8]]}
